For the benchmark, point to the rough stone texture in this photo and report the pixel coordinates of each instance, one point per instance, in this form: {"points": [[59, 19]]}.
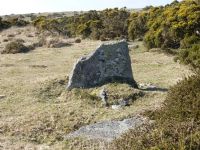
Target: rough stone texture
{"points": [[109, 63], [108, 130], [104, 96]]}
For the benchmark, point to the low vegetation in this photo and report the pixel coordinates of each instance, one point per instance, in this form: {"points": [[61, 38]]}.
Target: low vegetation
{"points": [[168, 26], [53, 42], [177, 124], [49, 91], [78, 40], [13, 21], [191, 56], [173, 26], [110, 23], [15, 47]]}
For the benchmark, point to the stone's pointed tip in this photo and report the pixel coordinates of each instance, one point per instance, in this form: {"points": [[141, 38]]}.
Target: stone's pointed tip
{"points": [[114, 42]]}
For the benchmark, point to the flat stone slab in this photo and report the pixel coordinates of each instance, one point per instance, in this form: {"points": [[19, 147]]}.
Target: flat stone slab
{"points": [[108, 130], [108, 63]]}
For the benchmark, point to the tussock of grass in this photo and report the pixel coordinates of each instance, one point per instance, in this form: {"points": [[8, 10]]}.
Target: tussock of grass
{"points": [[50, 90], [15, 47], [78, 40], [53, 42], [60, 111]]}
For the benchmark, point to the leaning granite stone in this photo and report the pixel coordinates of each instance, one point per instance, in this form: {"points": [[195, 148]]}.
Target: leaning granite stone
{"points": [[108, 63]]}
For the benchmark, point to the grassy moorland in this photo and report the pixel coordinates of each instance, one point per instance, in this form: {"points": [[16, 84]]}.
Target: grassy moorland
{"points": [[37, 110], [37, 56]]}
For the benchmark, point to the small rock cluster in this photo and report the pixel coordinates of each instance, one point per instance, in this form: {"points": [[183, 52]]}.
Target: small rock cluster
{"points": [[146, 86], [121, 103], [104, 97]]}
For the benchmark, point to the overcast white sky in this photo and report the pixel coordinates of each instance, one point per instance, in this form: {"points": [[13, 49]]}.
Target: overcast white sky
{"points": [[34, 6]]}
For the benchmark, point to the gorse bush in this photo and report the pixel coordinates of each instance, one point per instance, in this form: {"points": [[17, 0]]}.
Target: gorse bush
{"points": [[188, 41], [137, 25], [111, 23], [161, 27], [4, 24], [176, 25], [15, 47], [184, 100], [177, 124], [15, 21], [173, 26], [166, 26], [191, 56]]}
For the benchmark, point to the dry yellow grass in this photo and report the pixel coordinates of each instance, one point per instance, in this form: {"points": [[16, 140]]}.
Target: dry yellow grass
{"points": [[37, 110]]}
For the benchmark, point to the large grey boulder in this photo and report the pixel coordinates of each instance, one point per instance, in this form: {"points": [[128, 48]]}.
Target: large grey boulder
{"points": [[108, 63]]}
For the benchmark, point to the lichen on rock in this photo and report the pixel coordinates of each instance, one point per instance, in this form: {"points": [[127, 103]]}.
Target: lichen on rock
{"points": [[108, 63]]}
